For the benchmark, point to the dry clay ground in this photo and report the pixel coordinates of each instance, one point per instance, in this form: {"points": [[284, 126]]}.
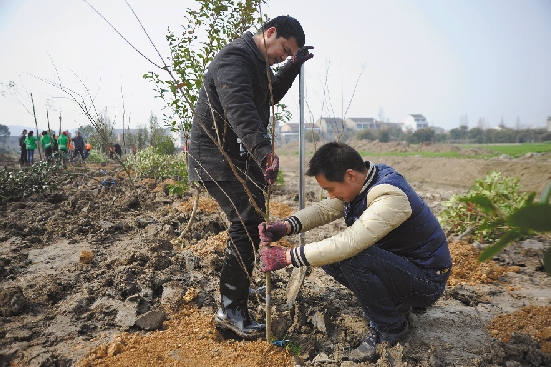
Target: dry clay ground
{"points": [[89, 277]]}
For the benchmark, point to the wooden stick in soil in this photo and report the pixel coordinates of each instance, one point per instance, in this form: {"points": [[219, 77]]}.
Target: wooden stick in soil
{"points": [[36, 124], [268, 280]]}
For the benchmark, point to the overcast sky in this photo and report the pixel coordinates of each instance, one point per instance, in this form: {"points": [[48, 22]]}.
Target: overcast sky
{"points": [[486, 59]]}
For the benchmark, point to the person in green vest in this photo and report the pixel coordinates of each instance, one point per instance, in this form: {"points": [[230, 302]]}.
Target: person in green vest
{"points": [[30, 143], [46, 142], [63, 146]]}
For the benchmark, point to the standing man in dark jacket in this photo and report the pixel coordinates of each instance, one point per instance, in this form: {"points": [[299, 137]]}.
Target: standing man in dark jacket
{"points": [[232, 115], [393, 255], [23, 147], [78, 143]]}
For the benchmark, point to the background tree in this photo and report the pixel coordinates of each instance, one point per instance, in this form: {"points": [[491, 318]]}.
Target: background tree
{"points": [[422, 136], [365, 134], [103, 131], [476, 135], [384, 136], [205, 31], [4, 133]]}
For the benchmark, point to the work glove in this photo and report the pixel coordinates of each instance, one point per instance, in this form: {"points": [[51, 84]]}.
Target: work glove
{"points": [[301, 56], [270, 168], [272, 232], [272, 258]]}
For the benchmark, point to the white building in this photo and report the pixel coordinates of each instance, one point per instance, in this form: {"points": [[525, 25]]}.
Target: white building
{"points": [[288, 132], [415, 122]]}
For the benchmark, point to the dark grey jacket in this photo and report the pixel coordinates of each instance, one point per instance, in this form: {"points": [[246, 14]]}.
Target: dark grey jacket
{"points": [[78, 142], [236, 87]]}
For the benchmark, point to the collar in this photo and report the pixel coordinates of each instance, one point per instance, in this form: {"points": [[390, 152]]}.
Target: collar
{"points": [[371, 174], [249, 39]]}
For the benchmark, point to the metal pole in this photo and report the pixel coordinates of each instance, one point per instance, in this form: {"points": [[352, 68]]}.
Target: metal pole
{"points": [[301, 132], [298, 274]]}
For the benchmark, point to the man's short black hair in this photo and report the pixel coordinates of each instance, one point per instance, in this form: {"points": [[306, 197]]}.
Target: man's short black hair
{"points": [[286, 27], [332, 160]]}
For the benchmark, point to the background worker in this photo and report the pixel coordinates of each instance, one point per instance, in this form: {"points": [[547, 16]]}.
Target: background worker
{"points": [[78, 144], [30, 145], [23, 159], [233, 112], [46, 142], [87, 149], [393, 255], [63, 146]]}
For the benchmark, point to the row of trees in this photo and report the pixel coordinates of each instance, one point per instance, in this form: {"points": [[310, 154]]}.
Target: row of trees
{"points": [[459, 135], [4, 133], [131, 140]]}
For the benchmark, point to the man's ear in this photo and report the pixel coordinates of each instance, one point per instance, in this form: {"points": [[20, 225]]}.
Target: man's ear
{"points": [[270, 31], [350, 174]]}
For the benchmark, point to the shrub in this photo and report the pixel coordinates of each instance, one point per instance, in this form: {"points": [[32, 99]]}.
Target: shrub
{"points": [[97, 157], [149, 163], [471, 211], [16, 184]]}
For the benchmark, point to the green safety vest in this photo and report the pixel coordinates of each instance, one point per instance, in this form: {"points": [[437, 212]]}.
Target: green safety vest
{"points": [[30, 142], [46, 141], [62, 142]]}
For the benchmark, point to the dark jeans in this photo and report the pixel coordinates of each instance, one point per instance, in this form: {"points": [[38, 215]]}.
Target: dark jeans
{"points": [[386, 284], [48, 153], [23, 155], [30, 156], [78, 151]]}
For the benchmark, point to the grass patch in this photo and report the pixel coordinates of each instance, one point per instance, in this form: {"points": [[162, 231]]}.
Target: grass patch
{"points": [[515, 150], [448, 154]]}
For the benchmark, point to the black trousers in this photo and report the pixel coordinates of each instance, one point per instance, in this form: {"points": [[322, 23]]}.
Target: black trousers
{"points": [[23, 155], [238, 265]]}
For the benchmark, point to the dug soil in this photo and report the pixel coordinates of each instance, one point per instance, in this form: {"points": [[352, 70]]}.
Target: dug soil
{"points": [[96, 276]]}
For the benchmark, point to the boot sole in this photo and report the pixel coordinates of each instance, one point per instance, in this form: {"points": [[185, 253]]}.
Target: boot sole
{"points": [[227, 326]]}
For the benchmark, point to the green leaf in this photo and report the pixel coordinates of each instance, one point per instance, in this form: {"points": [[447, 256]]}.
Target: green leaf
{"points": [[532, 217], [547, 261], [494, 249], [492, 225]]}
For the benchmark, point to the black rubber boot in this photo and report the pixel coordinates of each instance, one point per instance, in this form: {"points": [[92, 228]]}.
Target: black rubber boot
{"points": [[233, 313]]}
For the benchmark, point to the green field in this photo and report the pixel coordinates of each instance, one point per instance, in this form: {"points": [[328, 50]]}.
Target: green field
{"points": [[514, 150]]}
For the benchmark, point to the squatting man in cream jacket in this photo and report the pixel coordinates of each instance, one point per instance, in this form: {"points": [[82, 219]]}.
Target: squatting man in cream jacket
{"points": [[393, 255]]}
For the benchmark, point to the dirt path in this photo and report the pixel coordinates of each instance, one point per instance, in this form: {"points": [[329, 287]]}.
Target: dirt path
{"points": [[89, 278]]}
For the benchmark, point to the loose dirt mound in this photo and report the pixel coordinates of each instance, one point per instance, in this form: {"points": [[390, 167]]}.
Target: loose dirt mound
{"points": [[89, 277]]}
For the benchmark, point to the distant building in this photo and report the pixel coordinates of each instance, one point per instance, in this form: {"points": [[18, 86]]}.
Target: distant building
{"points": [[330, 127], [415, 122], [288, 132], [361, 123], [549, 123]]}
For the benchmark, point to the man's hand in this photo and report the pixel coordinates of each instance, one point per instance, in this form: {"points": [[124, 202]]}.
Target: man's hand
{"points": [[302, 55], [272, 258], [272, 232], [270, 168]]}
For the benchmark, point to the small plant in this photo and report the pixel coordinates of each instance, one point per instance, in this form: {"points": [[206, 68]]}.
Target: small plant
{"points": [[289, 345], [149, 163], [471, 211], [529, 219], [97, 157], [16, 184], [178, 188], [280, 179]]}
